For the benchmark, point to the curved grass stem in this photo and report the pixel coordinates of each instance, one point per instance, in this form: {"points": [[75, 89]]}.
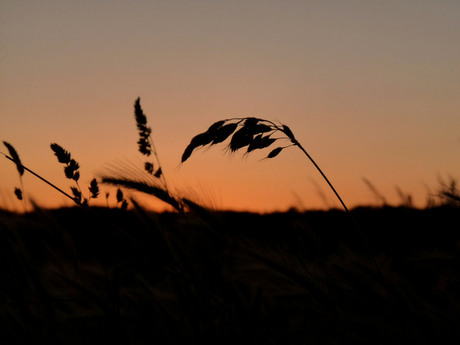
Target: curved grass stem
{"points": [[323, 175], [296, 143]]}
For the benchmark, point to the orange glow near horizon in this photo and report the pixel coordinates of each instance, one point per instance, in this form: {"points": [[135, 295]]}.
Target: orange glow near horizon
{"points": [[369, 89]]}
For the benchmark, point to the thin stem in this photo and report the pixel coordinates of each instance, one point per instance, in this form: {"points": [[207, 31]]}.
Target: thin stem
{"points": [[295, 142], [323, 175], [23, 194], [41, 178], [163, 178]]}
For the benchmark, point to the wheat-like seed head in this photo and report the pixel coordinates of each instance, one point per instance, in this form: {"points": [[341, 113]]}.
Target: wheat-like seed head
{"points": [[14, 155], [250, 132], [93, 189], [18, 193], [62, 155], [119, 195], [145, 146], [77, 194], [149, 167]]}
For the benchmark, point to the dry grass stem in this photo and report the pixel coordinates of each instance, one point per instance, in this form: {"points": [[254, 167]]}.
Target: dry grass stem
{"points": [[256, 133]]}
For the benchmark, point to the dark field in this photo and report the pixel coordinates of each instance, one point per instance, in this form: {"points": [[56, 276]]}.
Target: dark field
{"points": [[106, 276]]}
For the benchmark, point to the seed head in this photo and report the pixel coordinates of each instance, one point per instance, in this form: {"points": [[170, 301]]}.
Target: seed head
{"points": [[14, 155]]}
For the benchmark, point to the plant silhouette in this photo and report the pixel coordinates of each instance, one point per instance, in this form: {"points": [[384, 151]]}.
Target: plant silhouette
{"points": [[251, 133], [155, 184], [71, 171], [15, 159]]}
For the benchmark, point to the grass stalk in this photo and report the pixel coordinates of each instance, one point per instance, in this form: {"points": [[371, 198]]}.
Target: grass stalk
{"points": [[357, 226], [250, 134], [41, 178]]}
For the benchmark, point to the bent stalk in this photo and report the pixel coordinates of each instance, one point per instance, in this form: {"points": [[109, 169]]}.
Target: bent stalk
{"points": [[252, 133]]}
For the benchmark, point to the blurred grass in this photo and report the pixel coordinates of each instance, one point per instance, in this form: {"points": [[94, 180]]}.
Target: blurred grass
{"points": [[109, 276]]}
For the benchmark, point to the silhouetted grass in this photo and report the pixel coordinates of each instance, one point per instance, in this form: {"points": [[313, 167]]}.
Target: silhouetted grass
{"points": [[94, 275], [71, 171], [251, 133], [112, 276], [14, 157]]}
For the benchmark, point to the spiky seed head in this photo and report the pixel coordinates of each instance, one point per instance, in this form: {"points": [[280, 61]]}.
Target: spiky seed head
{"points": [[215, 126], [275, 152], [250, 121], [201, 139], [240, 139], [158, 173], [144, 146], [62, 155], [119, 195], [144, 130], [74, 164], [255, 129], [18, 193], [223, 133], [254, 143], [71, 170], [141, 119], [261, 128], [68, 171], [76, 176], [14, 155], [260, 142], [149, 167], [289, 133], [77, 194], [94, 188], [254, 133]]}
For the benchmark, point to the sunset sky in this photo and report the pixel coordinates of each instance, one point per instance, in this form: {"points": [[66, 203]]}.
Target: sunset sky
{"points": [[370, 88]]}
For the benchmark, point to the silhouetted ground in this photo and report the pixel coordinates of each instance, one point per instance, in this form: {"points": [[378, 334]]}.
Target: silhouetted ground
{"points": [[106, 276]]}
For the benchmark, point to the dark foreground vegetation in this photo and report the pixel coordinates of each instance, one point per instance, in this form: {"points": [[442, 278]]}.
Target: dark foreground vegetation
{"points": [[111, 276], [89, 275]]}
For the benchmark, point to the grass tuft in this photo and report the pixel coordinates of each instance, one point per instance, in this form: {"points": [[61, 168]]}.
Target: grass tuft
{"points": [[144, 187]]}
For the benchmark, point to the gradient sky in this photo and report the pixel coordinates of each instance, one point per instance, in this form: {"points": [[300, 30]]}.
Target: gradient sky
{"points": [[370, 88]]}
